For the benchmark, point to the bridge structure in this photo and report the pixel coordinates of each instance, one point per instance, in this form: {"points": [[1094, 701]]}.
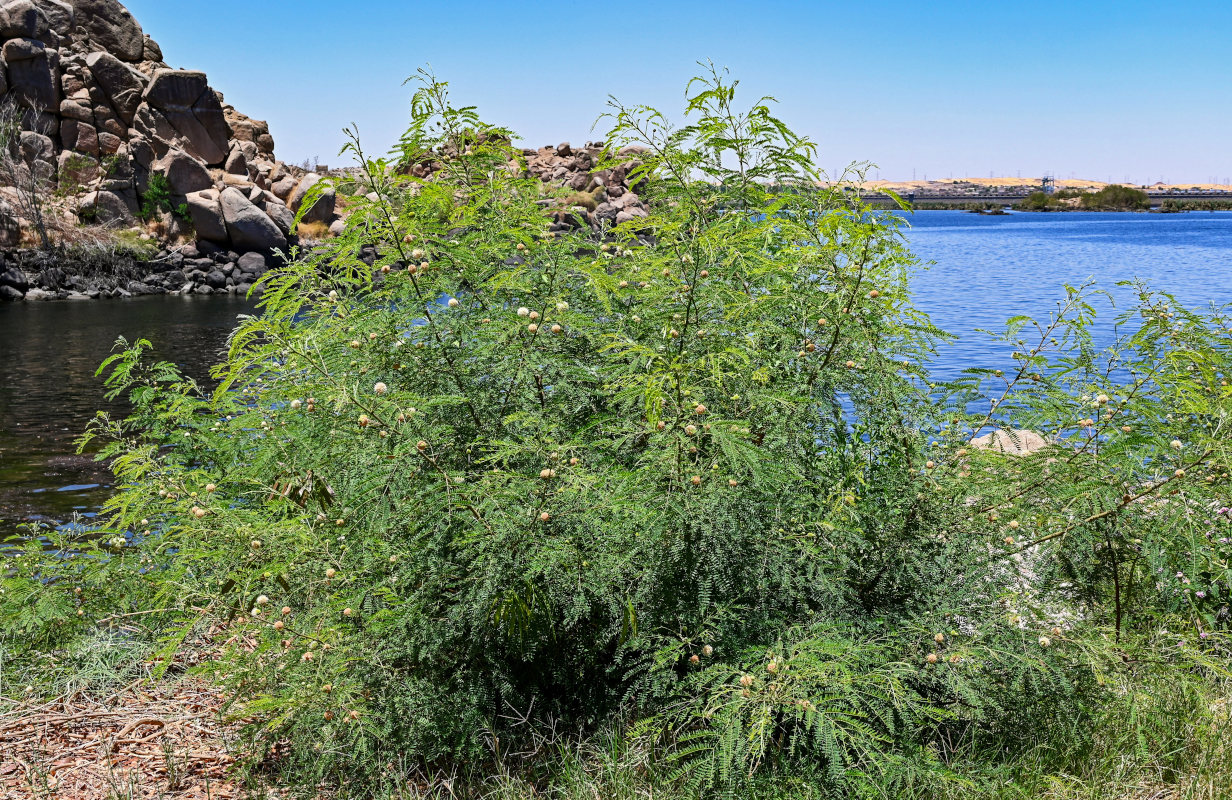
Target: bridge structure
{"points": [[1011, 198]]}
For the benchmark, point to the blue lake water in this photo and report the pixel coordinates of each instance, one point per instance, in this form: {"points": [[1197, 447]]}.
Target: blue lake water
{"points": [[988, 268], [985, 269]]}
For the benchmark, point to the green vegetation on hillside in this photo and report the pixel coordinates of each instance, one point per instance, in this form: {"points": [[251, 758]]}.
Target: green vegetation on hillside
{"points": [[1109, 198], [670, 509]]}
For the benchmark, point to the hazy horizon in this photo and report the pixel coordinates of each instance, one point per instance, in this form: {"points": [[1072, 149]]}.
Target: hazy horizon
{"points": [[1112, 91]]}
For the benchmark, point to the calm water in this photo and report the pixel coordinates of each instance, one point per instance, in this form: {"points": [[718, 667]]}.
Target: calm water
{"points": [[986, 269], [990, 268], [48, 393]]}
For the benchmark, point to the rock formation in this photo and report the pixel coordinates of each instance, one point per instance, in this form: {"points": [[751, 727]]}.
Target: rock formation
{"points": [[107, 122], [100, 106]]}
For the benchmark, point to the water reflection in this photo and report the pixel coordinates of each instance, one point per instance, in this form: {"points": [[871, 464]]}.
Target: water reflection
{"points": [[48, 391]]}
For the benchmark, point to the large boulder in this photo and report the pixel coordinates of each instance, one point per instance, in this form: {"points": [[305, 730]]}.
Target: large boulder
{"points": [[184, 173], [1011, 442], [24, 19], [280, 214], [33, 76], [122, 83], [110, 27], [185, 100], [79, 136], [322, 210], [206, 213], [107, 208], [15, 278], [60, 16], [248, 226]]}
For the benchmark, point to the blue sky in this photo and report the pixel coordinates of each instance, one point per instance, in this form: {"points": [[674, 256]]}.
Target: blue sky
{"points": [[1133, 89]]}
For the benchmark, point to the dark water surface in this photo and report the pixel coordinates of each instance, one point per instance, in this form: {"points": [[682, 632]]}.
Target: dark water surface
{"points": [[48, 393], [987, 268]]}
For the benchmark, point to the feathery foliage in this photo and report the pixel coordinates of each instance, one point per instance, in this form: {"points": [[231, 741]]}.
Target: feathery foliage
{"points": [[463, 479]]}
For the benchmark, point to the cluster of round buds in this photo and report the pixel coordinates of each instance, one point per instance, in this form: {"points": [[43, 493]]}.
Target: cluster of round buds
{"points": [[547, 474], [874, 294], [545, 517], [696, 480], [1086, 423], [364, 421], [1103, 399], [690, 429], [699, 409], [694, 659], [346, 612], [453, 302], [421, 445], [746, 681], [198, 512], [1177, 444], [1014, 525], [557, 329], [772, 667], [312, 404], [707, 651], [330, 573], [851, 365], [673, 333], [356, 344]]}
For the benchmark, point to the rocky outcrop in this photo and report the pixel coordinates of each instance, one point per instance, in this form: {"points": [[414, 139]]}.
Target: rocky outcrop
{"points": [[186, 269], [105, 115]]}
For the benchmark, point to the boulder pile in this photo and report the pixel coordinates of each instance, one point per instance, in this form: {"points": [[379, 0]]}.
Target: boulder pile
{"points": [[102, 112], [602, 197]]}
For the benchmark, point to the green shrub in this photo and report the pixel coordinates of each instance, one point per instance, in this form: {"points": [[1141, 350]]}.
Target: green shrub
{"points": [[1117, 198], [157, 199], [686, 479]]}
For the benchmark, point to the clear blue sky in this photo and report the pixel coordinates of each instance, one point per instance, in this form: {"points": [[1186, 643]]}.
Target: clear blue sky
{"points": [[1121, 89]]}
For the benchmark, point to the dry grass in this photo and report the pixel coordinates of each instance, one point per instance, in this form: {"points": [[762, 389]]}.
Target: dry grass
{"points": [[161, 740], [313, 231]]}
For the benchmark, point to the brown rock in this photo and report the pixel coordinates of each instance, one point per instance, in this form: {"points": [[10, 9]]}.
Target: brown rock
{"points": [[110, 27], [1011, 442], [122, 84]]}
